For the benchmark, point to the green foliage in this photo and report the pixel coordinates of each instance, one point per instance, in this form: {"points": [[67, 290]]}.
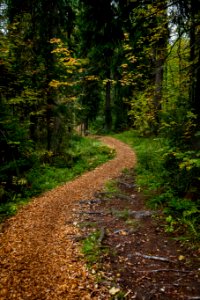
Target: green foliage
{"points": [[178, 125], [111, 187], [16, 151], [143, 113], [170, 180], [92, 249], [149, 153], [183, 170]]}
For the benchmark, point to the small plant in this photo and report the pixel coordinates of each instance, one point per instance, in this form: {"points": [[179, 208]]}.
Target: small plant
{"points": [[92, 248], [119, 296], [111, 187], [171, 223]]}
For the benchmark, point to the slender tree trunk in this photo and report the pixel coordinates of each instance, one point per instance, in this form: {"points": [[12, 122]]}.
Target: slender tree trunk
{"points": [[48, 124], [197, 87], [160, 53], [108, 113], [158, 82], [52, 30], [195, 58]]}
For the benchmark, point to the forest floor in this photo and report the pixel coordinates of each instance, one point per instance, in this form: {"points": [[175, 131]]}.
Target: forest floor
{"points": [[40, 247]]}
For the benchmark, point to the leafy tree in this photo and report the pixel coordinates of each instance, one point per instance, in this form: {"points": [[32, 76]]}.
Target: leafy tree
{"points": [[32, 25]]}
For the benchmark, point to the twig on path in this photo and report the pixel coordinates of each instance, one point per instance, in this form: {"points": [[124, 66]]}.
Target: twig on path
{"points": [[164, 270], [115, 194], [102, 235], [128, 185], [93, 201], [154, 257], [89, 212]]}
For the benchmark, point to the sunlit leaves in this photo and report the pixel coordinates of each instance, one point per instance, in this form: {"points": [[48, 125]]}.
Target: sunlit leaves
{"points": [[91, 78]]}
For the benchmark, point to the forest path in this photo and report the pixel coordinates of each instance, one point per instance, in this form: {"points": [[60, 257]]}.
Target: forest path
{"points": [[38, 257]]}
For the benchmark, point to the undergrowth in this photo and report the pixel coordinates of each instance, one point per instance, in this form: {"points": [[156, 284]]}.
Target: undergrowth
{"points": [[53, 169], [93, 249], [166, 185]]}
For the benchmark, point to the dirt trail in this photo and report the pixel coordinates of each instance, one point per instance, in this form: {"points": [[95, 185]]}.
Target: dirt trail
{"points": [[38, 259]]}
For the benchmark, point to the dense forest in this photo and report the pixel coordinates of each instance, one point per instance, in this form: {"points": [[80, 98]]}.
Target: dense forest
{"points": [[102, 66]]}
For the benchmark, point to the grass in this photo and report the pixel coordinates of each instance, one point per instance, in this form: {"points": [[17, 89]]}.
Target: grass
{"points": [[92, 248], [82, 154], [111, 187], [182, 215], [149, 153]]}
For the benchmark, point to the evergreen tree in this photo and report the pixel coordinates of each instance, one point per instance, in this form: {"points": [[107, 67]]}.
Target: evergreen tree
{"points": [[100, 33]]}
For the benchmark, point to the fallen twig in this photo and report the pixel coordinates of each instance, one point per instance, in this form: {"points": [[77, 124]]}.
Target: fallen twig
{"points": [[103, 193], [165, 270], [93, 201], [141, 213], [102, 235], [154, 257], [124, 197], [128, 185], [115, 194], [89, 212]]}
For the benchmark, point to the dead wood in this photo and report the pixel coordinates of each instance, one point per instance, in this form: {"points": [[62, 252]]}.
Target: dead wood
{"points": [[93, 201], [89, 212], [141, 213], [128, 185], [114, 194], [154, 257], [164, 270], [102, 235]]}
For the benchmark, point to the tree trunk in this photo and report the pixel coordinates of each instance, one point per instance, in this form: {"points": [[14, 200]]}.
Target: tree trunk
{"points": [[108, 114], [160, 53], [195, 59]]}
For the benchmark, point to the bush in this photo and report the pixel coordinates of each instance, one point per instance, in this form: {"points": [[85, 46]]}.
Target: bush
{"points": [[170, 178]]}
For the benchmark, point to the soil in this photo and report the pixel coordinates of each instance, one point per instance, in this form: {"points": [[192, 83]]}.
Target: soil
{"points": [[142, 261], [40, 247]]}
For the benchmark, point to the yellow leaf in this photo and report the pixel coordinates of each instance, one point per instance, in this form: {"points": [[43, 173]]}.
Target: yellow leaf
{"points": [[181, 257], [113, 291]]}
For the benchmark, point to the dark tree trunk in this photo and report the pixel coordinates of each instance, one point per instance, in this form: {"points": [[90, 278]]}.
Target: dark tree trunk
{"points": [[160, 54], [195, 58], [108, 113]]}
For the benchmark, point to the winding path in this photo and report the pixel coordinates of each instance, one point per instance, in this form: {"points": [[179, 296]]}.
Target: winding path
{"points": [[38, 259]]}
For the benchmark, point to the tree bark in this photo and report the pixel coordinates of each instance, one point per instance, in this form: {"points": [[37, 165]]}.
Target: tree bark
{"points": [[108, 114]]}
